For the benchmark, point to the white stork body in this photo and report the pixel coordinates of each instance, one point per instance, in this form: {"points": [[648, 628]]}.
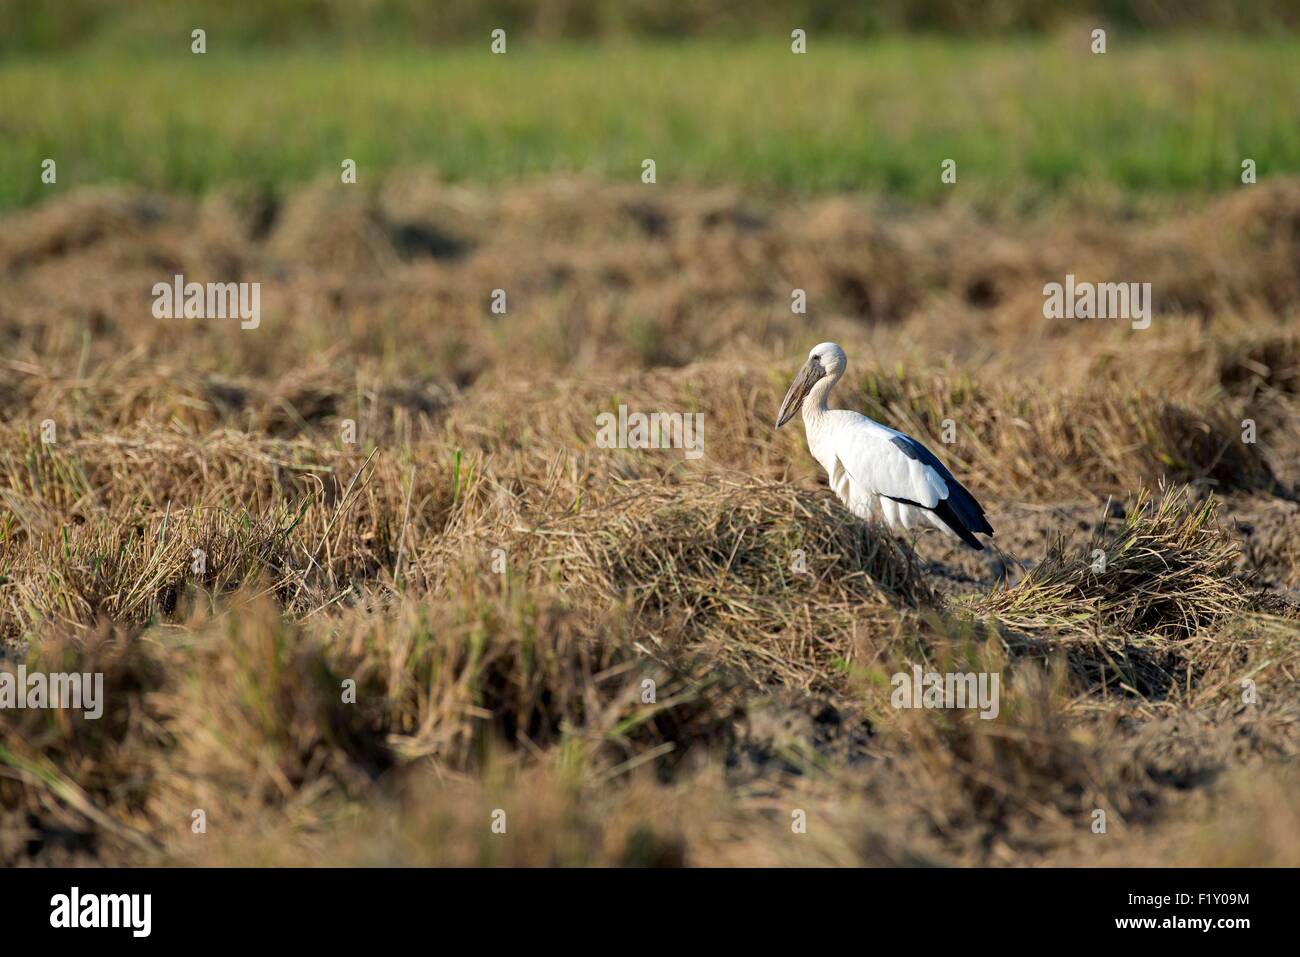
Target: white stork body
{"points": [[838, 434], [876, 470]]}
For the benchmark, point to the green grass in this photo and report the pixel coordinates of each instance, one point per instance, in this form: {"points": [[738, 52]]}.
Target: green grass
{"points": [[1024, 119]]}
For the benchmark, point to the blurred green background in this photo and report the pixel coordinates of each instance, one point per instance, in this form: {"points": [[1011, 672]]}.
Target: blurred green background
{"points": [[57, 24], [711, 90]]}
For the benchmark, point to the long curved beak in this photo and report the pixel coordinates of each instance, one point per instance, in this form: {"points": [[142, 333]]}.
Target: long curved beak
{"points": [[810, 373]]}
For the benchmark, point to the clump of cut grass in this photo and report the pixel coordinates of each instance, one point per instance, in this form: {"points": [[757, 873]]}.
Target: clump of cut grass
{"points": [[990, 786], [1252, 820], [132, 573], [1166, 571], [319, 226], [255, 714], [528, 669], [88, 217], [436, 820], [71, 786], [1052, 444], [771, 580], [309, 522], [261, 719], [1248, 364], [1128, 606], [1030, 781], [939, 640]]}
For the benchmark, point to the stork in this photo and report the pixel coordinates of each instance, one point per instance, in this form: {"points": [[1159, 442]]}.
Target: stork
{"points": [[873, 468]]}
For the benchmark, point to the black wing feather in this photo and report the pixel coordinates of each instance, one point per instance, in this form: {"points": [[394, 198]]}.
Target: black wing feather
{"points": [[959, 511]]}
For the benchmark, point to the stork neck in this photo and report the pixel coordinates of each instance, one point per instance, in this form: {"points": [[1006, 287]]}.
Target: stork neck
{"points": [[814, 404]]}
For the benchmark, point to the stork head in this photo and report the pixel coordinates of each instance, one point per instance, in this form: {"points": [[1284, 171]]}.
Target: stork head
{"points": [[826, 359]]}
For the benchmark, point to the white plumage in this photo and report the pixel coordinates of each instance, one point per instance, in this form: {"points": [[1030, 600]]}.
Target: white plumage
{"points": [[876, 470]]}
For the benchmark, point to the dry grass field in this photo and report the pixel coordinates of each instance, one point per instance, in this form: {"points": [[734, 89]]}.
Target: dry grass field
{"points": [[394, 486]]}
